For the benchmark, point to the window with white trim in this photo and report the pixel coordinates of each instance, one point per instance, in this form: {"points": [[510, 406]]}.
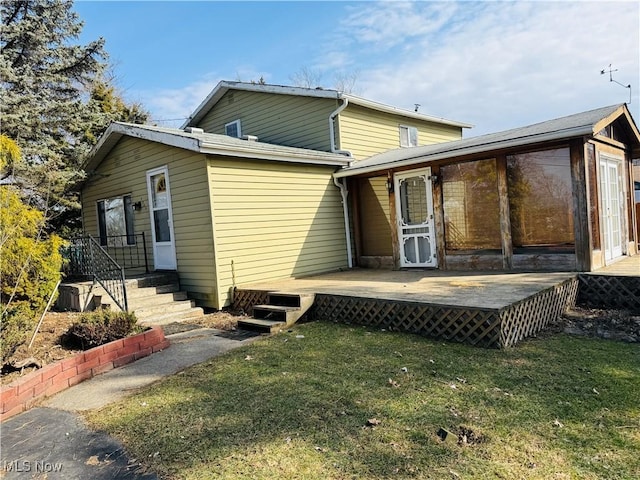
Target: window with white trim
{"points": [[233, 129], [408, 136], [115, 221]]}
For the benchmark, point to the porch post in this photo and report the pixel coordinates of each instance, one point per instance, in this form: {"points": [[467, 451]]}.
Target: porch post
{"points": [[580, 206], [438, 215], [395, 240], [505, 215]]}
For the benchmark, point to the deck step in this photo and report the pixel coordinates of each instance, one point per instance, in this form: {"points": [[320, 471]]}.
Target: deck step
{"points": [[275, 312], [282, 310], [261, 325]]}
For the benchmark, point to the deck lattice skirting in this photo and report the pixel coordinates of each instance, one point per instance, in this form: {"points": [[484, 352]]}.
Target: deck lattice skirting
{"points": [[462, 324], [531, 315], [244, 300], [609, 291], [485, 327]]}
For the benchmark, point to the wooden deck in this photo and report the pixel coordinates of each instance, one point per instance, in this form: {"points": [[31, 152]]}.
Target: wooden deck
{"points": [[614, 286], [477, 290], [627, 266], [485, 309], [481, 308]]}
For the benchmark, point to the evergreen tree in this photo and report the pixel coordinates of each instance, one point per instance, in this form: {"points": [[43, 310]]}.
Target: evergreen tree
{"points": [[54, 100]]}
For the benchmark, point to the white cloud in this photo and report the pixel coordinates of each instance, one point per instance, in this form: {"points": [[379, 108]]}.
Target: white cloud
{"points": [[499, 65]]}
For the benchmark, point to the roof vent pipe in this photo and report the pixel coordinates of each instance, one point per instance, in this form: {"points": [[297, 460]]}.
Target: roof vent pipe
{"points": [[194, 130], [250, 138]]}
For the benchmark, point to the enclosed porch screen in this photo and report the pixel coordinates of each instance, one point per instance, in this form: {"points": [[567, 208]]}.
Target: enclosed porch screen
{"points": [[540, 199], [471, 207]]}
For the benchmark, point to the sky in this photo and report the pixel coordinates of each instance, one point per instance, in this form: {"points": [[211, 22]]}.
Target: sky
{"points": [[496, 65]]}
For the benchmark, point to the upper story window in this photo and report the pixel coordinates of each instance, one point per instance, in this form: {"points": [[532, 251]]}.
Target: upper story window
{"points": [[408, 136], [115, 221], [233, 129]]}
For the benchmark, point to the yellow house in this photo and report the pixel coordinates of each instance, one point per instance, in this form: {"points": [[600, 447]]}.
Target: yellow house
{"points": [[244, 191], [318, 119], [219, 210]]}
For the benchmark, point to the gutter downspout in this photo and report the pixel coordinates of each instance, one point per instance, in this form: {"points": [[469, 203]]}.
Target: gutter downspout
{"points": [[345, 212], [342, 186], [332, 126]]}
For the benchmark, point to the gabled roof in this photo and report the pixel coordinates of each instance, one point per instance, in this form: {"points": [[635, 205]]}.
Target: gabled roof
{"points": [[208, 143], [224, 86], [572, 126]]}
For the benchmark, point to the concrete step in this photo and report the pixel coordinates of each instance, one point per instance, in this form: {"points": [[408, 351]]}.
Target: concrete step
{"points": [[188, 315], [155, 299], [153, 279], [136, 292], [174, 307], [261, 325]]}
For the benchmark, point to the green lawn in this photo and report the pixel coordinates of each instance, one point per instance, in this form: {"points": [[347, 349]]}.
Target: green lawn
{"points": [[289, 407]]}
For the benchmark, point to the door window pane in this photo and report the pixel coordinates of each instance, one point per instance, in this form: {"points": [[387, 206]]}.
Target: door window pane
{"points": [[413, 198], [540, 199], [159, 191], [161, 223], [470, 204]]}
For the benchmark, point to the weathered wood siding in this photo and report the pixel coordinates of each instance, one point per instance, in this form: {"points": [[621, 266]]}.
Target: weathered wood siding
{"points": [[375, 217], [123, 172], [365, 132], [274, 220], [289, 120]]}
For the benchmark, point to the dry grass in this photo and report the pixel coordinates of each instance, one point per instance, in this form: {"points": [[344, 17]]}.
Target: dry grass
{"points": [[336, 402]]}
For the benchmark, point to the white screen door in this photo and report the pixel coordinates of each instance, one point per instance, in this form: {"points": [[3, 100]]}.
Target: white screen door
{"points": [[414, 206], [164, 252], [611, 203]]}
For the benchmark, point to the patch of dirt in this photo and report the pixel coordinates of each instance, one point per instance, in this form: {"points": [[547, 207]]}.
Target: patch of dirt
{"points": [[47, 349], [618, 325], [225, 320], [46, 346]]}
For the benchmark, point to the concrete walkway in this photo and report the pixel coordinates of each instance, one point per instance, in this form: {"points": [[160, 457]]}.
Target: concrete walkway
{"points": [[53, 442]]}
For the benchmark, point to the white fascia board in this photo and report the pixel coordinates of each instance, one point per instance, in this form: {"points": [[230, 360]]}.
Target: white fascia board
{"points": [[116, 131], [224, 86], [453, 152], [405, 113], [250, 152]]}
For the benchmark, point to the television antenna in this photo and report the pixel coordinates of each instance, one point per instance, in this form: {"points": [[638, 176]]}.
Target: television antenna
{"points": [[610, 72]]}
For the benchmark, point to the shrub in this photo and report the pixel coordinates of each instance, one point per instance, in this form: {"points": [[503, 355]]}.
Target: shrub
{"points": [[100, 327], [30, 264]]}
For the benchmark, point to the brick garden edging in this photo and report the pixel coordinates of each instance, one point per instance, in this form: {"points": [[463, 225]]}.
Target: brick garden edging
{"points": [[23, 393]]}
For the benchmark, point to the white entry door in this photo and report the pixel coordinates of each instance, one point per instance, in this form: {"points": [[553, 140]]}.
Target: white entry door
{"points": [[611, 202], [414, 207], [164, 251]]}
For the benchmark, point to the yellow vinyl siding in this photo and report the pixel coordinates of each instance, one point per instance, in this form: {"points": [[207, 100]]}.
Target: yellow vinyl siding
{"points": [[274, 220], [375, 218], [123, 172], [290, 120], [365, 132]]}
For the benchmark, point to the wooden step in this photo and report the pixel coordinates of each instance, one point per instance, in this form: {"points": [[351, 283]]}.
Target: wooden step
{"points": [[283, 310], [276, 312], [261, 325]]}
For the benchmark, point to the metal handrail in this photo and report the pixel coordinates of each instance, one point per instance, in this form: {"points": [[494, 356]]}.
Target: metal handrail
{"points": [[129, 251], [87, 257]]}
